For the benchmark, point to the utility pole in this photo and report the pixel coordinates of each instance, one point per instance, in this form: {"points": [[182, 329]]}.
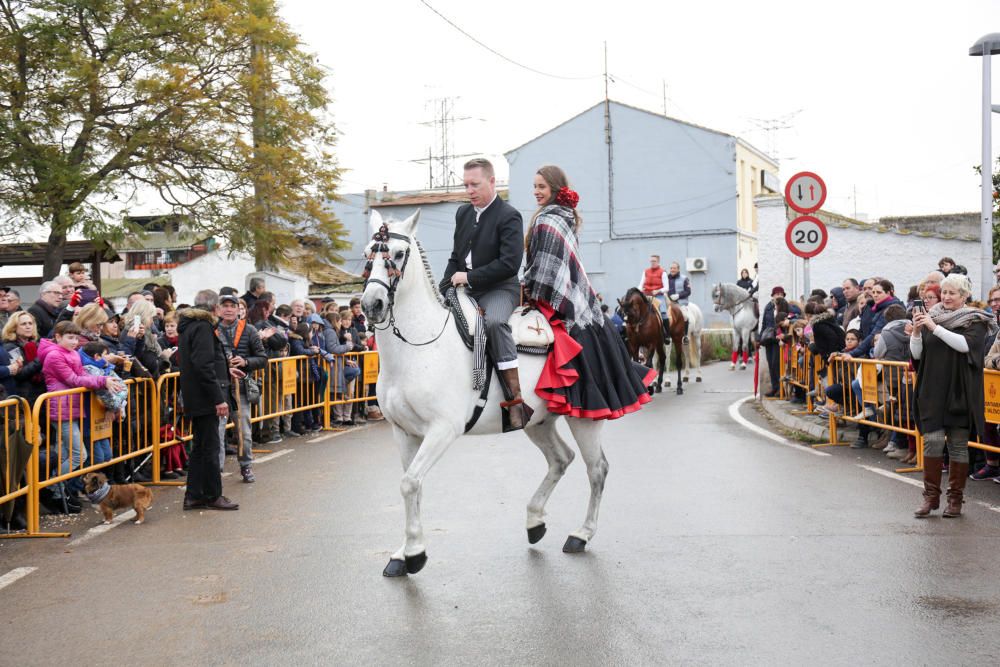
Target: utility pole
{"points": [[439, 167], [608, 140], [664, 97]]}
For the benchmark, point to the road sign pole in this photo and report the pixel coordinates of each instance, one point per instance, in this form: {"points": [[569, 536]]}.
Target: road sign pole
{"points": [[986, 236], [805, 278]]}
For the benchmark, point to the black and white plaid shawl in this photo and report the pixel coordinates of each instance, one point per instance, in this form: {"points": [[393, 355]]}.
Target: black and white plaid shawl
{"points": [[554, 273]]}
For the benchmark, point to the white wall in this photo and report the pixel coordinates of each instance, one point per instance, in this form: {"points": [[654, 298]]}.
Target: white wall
{"points": [[217, 269], [904, 259]]}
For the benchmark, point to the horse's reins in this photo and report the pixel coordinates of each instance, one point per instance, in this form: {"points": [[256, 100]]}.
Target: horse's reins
{"points": [[381, 245]]}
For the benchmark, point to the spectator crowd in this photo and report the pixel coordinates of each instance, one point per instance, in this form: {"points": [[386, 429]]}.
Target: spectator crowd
{"points": [[70, 337], [943, 335]]}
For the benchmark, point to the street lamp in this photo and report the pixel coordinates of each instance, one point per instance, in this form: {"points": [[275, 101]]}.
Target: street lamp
{"points": [[986, 46]]}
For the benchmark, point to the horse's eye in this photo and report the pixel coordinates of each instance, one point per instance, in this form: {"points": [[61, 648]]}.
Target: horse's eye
{"points": [[399, 255]]}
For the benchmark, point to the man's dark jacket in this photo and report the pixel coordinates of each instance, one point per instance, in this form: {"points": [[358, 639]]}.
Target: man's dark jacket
{"points": [[249, 346], [45, 317], [204, 372], [496, 243]]}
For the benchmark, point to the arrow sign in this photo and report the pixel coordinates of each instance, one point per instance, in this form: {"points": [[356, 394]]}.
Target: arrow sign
{"points": [[809, 189]]}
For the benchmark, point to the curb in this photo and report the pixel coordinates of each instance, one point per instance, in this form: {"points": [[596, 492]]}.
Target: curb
{"points": [[772, 408]]}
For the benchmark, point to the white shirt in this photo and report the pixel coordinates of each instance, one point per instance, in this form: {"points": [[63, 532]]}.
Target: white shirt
{"points": [[479, 212]]}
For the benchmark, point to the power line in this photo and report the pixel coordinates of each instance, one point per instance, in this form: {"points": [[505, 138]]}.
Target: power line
{"points": [[500, 55]]}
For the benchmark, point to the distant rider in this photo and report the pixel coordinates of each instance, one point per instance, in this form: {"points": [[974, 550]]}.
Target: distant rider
{"points": [[678, 290]]}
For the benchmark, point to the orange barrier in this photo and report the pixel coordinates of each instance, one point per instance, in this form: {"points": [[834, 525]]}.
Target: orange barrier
{"points": [[71, 434], [887, 394], [991, 392], [800, 368]]}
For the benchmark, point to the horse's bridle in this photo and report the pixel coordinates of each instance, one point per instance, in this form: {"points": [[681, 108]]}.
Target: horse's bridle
{"points": [[381, 245]]}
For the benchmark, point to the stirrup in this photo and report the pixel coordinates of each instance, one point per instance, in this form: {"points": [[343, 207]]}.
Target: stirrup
{"points": [[505, 407]]}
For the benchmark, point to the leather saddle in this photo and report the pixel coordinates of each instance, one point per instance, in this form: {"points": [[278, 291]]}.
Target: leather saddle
{"points": [[529, 327]]}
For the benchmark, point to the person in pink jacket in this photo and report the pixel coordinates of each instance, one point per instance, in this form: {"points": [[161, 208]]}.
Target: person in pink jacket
{"points": [[62, 369]]}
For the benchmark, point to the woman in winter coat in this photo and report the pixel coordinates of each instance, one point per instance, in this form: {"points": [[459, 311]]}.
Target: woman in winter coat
{"points": [[949, 340], [20, 339]]}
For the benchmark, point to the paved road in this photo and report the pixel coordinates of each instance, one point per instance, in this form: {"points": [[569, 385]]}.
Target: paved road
{"points": [[716, 546]]}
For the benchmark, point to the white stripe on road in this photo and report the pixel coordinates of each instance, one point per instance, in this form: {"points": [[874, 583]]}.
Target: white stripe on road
{"points": [[15, 574], [734, 412], [272, 456], [103, 528], [892, 475], [992, 508], [335, 434]]}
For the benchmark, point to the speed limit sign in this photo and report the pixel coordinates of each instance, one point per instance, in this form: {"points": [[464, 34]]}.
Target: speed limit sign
{"points": [[806, 236]]}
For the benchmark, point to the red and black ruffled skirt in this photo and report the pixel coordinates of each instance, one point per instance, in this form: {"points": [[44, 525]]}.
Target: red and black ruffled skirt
{"points": [[588, 372]]}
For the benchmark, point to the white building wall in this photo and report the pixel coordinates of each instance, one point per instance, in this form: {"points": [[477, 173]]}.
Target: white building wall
{"points": [[904, 259], [217, 269]]}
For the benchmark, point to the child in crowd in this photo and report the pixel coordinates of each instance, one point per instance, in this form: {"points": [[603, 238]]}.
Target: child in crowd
{"points": [[93, 357], [78, 274], [835, 392], [62, 369], [168, 341]]}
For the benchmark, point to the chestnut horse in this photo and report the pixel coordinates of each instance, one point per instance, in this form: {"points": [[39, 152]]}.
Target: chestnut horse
{"points": [[645, 334]]}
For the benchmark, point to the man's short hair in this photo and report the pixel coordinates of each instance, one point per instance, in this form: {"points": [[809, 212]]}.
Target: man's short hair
{"points": [[47, 286], [206, 298], [355, 301], [481, 163], [656, 257], [266, 297], [149, 287], [284, 310], [852, 281], [946, 259], [76, 266], [256, 283]]}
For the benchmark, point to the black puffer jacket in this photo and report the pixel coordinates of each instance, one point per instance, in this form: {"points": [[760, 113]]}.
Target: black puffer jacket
{"points": [[828, 336], [204, 375]]}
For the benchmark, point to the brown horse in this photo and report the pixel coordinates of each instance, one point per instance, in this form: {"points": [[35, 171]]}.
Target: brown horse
{"points": [[645, 336], [675, 330]]}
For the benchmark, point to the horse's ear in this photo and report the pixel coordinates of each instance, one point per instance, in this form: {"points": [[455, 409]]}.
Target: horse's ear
{"points": [[375, 221], [409, 226]]}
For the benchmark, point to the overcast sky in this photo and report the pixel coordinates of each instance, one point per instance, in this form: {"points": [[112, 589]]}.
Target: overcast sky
{"points": [[880, 96]]}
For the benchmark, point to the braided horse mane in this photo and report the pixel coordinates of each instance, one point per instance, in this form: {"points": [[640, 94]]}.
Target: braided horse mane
{"points": [[430, 274]]}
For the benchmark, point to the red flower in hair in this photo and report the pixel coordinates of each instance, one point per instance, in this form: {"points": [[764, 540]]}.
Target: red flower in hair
{"points": [[567, 197]]}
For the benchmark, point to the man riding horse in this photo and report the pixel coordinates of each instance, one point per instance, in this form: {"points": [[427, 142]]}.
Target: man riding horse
{"points": [[487, 254], [676, 286]]}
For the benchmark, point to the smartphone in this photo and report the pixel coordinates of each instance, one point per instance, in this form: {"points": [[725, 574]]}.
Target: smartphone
{"points": [[15, 355], [918, 304]]}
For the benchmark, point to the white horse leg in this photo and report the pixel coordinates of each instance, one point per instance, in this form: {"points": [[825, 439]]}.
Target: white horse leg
{"points": [[412, 557], [587, 434], [558, 455]]}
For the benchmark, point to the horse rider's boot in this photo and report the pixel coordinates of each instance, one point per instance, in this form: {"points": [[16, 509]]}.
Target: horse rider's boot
{"points": [[517, 412], [958, 473], [932, 487], [686, 325]]}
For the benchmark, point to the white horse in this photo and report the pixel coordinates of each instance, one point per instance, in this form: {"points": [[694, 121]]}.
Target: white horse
{"points": [[740, 304], [692, 346], [426, 393]]}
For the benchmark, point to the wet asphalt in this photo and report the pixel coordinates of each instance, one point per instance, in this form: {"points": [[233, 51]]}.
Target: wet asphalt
{"points": [[715, 546]]}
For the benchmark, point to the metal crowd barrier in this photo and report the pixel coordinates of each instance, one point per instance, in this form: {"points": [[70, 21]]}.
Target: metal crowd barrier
{"points": [[991, 394], [64, 427], [800, 368], [887, 390]]}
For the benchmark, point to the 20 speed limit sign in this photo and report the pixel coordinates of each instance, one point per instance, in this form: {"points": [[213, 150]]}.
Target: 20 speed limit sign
{"points": [[806, 236]]}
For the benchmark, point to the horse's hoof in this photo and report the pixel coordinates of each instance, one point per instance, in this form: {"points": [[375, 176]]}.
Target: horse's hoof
{"points": [[574, 545], [535, 533], [732, 367], [698, 379], [395, 568], [416, 562]]}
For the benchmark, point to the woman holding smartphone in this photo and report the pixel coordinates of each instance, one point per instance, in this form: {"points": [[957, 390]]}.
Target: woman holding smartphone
{"points": [[949, 340]]}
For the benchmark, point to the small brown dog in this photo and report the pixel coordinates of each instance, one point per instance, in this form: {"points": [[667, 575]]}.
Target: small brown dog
{"points": [[115, 496]]}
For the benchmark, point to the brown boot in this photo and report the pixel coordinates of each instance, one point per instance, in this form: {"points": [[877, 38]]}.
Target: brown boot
{"points": [[517, 412], [957, 474], [932, 487]]}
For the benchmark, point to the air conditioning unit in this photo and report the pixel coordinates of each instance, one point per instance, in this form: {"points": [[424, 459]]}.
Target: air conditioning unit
{"points": [[697, 264]]}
